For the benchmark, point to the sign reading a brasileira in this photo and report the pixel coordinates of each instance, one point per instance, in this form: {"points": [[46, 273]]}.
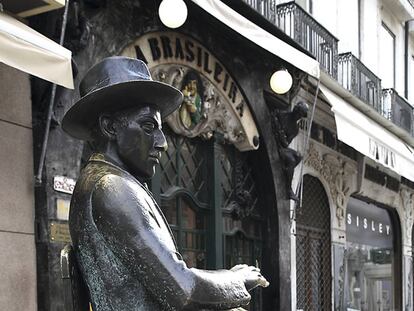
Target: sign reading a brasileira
{"points": [[212, 100]]}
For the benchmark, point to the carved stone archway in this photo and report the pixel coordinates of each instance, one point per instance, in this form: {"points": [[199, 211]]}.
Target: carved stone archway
{"points": [[337, 173]]}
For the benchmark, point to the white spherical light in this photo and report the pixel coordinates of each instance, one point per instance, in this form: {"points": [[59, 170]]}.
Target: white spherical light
{"points": [[173, 13], [281, 81]]}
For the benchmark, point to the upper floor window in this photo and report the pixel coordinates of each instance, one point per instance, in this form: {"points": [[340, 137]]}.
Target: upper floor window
{"points": [[387, 57], [411, 78]]}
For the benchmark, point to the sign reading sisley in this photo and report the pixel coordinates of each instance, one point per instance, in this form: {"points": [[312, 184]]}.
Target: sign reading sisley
{"points": [[368, 224]]}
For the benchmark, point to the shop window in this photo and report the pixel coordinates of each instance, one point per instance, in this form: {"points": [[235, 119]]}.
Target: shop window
{"points": [[198, 180], [371, 258], [313, 248]]}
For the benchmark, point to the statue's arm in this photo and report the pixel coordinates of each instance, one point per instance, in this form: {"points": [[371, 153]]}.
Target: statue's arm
{"points": [[126, 222]]}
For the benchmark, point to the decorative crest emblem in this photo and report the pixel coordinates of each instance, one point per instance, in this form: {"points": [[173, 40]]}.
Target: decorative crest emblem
{"points": [[191, 110]]}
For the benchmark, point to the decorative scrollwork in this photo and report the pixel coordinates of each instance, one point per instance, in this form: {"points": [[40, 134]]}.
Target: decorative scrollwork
{"points": [[242, 205], [337, 173], [214, 115], [407, 200]]}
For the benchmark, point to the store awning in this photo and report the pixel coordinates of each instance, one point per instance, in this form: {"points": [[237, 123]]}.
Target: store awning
{"points": [[23, 48], [369, 138], [259, 36]]}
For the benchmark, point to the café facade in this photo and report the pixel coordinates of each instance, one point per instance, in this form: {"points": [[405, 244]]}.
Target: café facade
{"points": [[221, 183]]}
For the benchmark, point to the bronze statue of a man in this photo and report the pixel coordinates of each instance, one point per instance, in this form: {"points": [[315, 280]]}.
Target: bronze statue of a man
{"points": [[123, 244]]}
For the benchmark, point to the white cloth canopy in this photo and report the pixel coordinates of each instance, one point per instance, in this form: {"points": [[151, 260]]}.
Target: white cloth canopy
{"points": [[25, 49], [260, 36], [369, 138]]}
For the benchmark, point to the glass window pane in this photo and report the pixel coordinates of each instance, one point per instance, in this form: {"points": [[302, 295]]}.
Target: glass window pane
{"points": [[369, 257], [169, 209], [387, 57], [193, 235]]}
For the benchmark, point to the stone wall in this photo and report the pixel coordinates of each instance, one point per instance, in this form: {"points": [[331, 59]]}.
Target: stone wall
{"points": [[17, 242]]}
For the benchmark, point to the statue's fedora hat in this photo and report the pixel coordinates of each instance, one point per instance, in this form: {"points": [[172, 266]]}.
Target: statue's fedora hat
{"points": [[117, 83]]}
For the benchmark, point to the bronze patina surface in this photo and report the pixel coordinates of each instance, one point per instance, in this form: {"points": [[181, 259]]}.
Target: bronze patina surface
{"points": [[123, 245], [286, 129]]}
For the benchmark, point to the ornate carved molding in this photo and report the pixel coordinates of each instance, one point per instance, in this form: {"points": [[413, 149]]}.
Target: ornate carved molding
{"points": [[214, 113], [337, 173], [407, 200], [213, 102]]}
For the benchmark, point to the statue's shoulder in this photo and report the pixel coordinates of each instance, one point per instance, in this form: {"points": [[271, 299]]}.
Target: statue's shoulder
{"points": [[97, 169], [117, 184]]}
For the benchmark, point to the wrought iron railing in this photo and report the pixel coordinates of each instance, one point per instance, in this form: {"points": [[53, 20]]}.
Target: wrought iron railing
{"points": [[303, 28], [311, 35], [348, 70], [397, 109], [354, 76], [265, 7]]}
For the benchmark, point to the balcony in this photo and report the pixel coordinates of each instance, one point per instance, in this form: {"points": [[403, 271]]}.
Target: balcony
{"points": [[311, 35], [302, 28], [265, 7], [397, 109], [348, 70], [354, 76]]}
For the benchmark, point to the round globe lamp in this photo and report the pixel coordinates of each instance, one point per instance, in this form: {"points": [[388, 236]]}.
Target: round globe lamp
{"points": [[173, 13], [281, 81]]}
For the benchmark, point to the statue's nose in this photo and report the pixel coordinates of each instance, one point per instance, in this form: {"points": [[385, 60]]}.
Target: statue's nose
{"points": [[160, 142]]}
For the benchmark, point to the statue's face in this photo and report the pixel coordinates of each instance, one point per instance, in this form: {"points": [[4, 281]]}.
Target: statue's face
{"points": [[140, 141]]}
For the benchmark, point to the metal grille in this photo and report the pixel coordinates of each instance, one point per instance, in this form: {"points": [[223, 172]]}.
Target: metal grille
{"points": [[397, 109], [183, 165], [313, 248], [237, 176], [242, 230], [359, 80], [186, 166], [312, 36]]}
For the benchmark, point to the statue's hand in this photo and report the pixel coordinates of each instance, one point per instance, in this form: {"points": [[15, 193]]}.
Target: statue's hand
{"points": [[251, 275]]}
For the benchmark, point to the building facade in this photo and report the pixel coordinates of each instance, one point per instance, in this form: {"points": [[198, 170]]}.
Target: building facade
{"points": [[352, 235], [221, 184], [222, 207], [17, 236], [22, 51]]}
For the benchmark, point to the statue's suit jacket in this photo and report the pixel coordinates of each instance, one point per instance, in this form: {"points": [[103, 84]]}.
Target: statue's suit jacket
{"points": [[127, 254]]}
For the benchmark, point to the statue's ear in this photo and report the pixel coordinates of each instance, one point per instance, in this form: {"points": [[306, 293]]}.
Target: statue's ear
{"points": [[106, 125]]}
